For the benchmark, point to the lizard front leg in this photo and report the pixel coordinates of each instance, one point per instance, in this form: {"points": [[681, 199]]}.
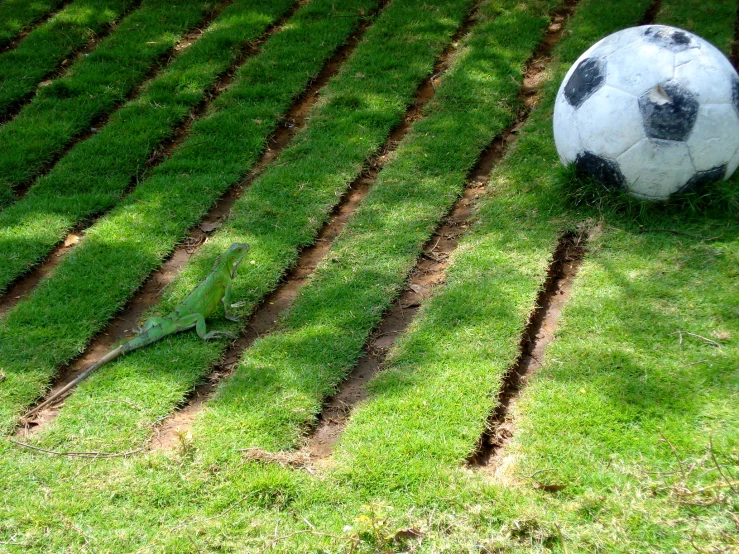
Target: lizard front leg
{"points": [[227, 306]]}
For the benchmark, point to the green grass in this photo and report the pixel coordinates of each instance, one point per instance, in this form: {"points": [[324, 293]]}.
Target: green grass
{"points": [[279, 196], [474, 60], [18, 15], [93, 86], [613, 383], [121, 249], [41, 52], [713, 21], [272, 398], [96, 172]]}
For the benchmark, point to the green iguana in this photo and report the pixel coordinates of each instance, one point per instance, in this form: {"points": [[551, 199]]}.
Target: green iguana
{"points": [[191, 312]]}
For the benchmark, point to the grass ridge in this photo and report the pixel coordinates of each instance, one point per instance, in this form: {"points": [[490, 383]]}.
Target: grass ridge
{"points": [[47, 46], [17, 17], [92, 87], [97, 172], [328, 325], [284, 208], [505, 258]]}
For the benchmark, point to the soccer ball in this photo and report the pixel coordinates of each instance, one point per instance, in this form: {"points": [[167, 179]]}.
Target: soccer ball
{"points": [[653, 110]]}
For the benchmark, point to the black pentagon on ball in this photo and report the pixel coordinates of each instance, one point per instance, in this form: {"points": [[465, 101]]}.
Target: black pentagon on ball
{"points": [[588, 77], [675, 40], [735, 93], [703, 178], [669, 111], [601, 169]]}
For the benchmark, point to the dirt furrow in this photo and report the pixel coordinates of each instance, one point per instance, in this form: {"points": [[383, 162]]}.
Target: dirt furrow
{"points": [[734, 56], [430, 270], [26, 283], [539, 332], [263, 321], [65, 64], [158, 65], [651, 13], [128, 319], [428, 273], [38, 23]]}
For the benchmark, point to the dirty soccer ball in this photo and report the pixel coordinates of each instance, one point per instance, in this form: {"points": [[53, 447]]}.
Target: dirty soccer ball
{"points": [[653, 110]]}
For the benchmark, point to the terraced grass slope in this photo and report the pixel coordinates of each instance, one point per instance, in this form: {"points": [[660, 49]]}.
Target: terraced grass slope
{"points": [[51, 44], [92, 87], [20, 15], [624, 439], [96, 172]]}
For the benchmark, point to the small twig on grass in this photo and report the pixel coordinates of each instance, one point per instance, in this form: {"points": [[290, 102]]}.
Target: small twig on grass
{"points": [[561, 538], [538, 471], [674, 451], [217, 516], [676, 232], [692, 541], [718, 467], [709, 341], [79, 454]]}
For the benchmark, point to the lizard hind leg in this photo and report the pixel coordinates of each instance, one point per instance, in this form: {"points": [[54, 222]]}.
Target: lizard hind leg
{"points": [[200, 328], [149, 323]]}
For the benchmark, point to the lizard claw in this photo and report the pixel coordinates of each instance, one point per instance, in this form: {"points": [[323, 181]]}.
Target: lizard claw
{"points": [[214, 334], [238, 304], [233, 318]]}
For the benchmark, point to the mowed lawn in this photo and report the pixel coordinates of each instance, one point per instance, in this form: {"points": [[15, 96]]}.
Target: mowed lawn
{"points": [[625, 439]]}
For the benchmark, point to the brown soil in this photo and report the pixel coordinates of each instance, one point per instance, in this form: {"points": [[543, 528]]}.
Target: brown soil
{"points": [[651, 13], [264, 318], [430, 270], [128, 319], [539, 332]]}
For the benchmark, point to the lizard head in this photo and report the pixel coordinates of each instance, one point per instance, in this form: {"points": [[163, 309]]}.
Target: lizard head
{"points": [[234, 255]]}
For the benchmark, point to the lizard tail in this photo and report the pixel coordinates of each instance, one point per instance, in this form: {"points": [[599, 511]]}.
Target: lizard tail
{"points": [[112, 355]]}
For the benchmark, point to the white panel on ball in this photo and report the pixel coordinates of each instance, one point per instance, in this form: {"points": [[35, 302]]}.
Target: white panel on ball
{"points": [[609, 104], [639, 66], [733, 164], [615, 41], [704, 75], [656, 168], [714, 138], [566, 134]]}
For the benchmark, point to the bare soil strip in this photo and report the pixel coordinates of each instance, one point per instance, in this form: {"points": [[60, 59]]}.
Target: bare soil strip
{"points": [[66, 63], [25, 284], [652, 12], [429, 272], [539, 332], [40, 21], [263, 321], [734, 56], [127, 320], [158, 65]]}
